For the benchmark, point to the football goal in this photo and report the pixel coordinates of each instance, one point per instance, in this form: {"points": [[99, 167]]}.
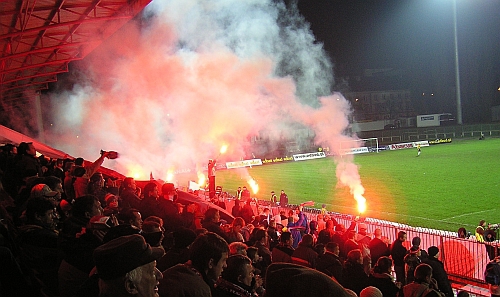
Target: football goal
{"points": [[359, 146]]}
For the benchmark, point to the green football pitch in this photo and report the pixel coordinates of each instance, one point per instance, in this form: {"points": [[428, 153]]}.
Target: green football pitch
{"points": [[448, 186]]}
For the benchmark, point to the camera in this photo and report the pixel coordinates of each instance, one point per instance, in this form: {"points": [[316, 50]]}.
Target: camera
{"points": [[493, 226]]}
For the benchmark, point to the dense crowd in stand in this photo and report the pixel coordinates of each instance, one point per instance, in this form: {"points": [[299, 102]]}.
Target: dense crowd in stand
{"points": [[67, 230]]}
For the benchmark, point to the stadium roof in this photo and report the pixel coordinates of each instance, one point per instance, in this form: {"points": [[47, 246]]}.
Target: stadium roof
{"points": [[38, 38]]}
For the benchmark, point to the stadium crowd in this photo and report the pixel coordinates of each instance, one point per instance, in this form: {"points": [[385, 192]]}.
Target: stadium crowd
{"points": [[67, 230]]}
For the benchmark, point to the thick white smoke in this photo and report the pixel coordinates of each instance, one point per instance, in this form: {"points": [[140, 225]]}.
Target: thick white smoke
{"points": [[196, 74]]}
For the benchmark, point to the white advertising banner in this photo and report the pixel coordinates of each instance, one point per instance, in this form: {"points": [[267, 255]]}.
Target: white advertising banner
{"points": [[309, 156], [244, 163], [407, 145]]}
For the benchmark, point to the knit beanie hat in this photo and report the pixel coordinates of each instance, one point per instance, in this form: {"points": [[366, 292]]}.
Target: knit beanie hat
{"points": [[432, 251]]}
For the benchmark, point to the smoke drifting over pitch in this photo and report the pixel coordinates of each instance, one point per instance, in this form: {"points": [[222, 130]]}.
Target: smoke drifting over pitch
{"points": [[193, 75]]}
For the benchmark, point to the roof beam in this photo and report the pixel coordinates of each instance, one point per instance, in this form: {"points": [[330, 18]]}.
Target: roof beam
{"points": [[44, 49], [64, 24], [49, 63], [34, 76]]}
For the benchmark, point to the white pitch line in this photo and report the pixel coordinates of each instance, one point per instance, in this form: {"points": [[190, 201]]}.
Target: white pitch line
{"points": [[470, 213], [445, 220]]}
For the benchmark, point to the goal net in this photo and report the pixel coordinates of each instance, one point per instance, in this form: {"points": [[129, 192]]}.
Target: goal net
{"points": [[359, 146]]}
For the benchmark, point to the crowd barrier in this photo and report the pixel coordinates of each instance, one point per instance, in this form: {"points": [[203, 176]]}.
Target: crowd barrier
{"points": [[464, 259]]}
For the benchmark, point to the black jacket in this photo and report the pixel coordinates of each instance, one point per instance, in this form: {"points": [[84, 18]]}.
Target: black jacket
{"points": [[440, 275], [330, 264]]}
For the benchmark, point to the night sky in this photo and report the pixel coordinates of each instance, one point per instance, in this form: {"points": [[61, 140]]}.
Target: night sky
{"points": [[415, 37]]}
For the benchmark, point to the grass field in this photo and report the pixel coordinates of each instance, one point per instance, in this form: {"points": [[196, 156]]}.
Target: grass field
{"points": [[449, 186]]}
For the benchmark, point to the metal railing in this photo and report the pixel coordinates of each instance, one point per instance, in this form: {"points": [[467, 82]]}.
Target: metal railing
{"points": [[430, 133], [464, 259]]}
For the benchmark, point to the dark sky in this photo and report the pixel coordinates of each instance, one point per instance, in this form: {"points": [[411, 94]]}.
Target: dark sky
{"points": [[416, 36]]}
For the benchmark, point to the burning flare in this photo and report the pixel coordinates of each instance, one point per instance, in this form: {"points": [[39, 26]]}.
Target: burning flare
{"points": [[223, 149], [201, 179], [136, 172], [347, 174], [170, 176], [361, 203], [253, 184]]}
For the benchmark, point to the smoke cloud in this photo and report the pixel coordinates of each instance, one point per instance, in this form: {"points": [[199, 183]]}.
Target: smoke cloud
{"points": [[168, 90]]}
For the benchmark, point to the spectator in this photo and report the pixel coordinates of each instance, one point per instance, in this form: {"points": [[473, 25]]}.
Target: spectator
{"points": [[55, 184], [412, 260], [126, 267], [247, 231], [84, 173], [96, 186], [330, 263], [362, 237], [351, 243], [291, 226], [354, 276], [198, 276], [80, 255], [370, 292], [130, 194], [153, 233], [381, 278], [245, 194], [13, 281], [274, 199], [284, 250], [283, 199], [236, 210], [150, 205], [179, 253], [415, 242], [79, 182], [262, 244], [273, 234], [265, 218], [7, 157], [424, 284], [340, 236], [237, 248], [82, 210], [304, 254], [438, 272], [130, 216], [44, 191], [238, 194], [68, 181], [59, 169], [112, 206], [236, 278], [285, 279], [247, 212], [302, 222], [234, 235], [38, 243], [313, 229], [26, 164], [378, 246], [398, 253], [321, 223], [326, 235], [91, 168], [168, 208], [211, 222]]}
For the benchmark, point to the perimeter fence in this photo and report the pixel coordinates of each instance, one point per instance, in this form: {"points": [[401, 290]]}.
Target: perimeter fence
{"points": [[431, 133], [464, 258]]}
